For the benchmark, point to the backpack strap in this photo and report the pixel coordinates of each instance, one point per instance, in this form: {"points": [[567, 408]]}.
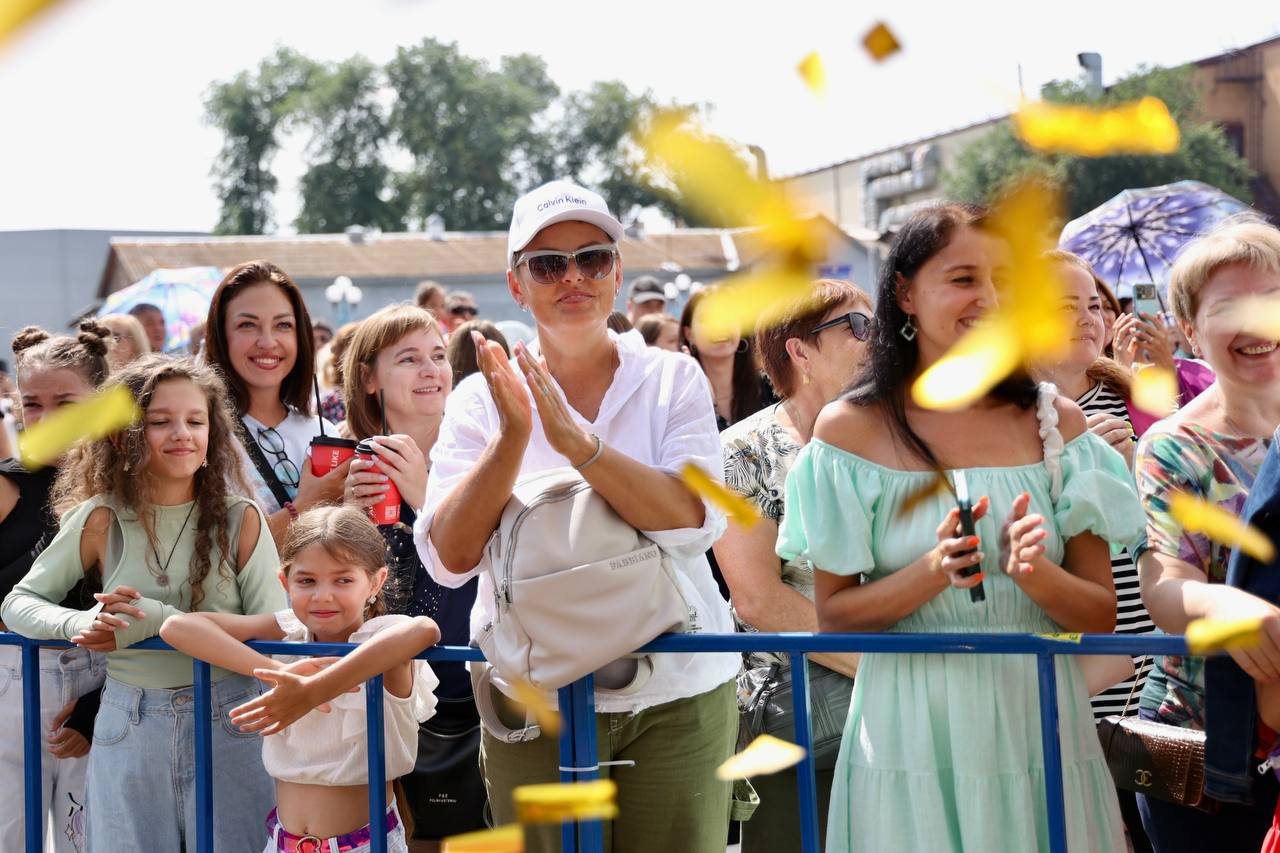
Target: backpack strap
{"points": [[278, 491], [1050, 436]]}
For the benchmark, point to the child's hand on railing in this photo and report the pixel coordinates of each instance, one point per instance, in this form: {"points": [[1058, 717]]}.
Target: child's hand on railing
{"points": [[101, 636], [291, 697]]}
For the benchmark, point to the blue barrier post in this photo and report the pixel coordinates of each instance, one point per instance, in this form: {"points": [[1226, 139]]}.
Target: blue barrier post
{"points": [[1055, 802], [377, 749], [804, 737], [204, 757], [568, 736], [586, 755], [32, 752]]}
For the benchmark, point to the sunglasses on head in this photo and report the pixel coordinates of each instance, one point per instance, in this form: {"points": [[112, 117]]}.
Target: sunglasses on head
{"points": [[464, 311], [548, 266], [858, 323]]}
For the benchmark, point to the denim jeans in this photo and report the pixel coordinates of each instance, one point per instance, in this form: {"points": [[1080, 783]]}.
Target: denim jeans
{"points": [[142, 793], [65, 674]]}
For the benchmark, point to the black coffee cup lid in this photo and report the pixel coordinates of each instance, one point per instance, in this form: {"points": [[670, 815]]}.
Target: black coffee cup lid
{"points": [[332, 441]]}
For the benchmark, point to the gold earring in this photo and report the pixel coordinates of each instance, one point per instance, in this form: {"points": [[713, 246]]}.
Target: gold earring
{"points": [[807, 379]]}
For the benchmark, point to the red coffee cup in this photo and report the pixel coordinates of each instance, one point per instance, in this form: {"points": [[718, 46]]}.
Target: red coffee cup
{"points": [[387, 510], [328, 452]]}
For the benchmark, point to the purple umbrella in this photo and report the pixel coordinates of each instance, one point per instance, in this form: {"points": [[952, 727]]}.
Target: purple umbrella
{"points": [[182, 295], [1134, 237]]}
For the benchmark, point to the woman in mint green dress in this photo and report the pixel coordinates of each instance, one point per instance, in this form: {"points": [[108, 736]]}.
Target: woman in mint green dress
{"points": [[943, 752]]}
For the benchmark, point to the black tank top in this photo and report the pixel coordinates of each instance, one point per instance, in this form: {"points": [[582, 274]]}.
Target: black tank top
{"points": [[28, 530]]}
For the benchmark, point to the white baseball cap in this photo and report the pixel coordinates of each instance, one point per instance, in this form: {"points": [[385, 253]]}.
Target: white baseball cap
{"points": [[557, 201]]}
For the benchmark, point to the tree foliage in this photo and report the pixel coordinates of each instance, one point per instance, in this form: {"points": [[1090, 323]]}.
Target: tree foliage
{"points": [[987, 166], [432, 132]]}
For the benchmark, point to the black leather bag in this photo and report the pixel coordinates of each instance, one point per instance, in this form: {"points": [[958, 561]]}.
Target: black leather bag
{"points": [[766, 707], [445, 791]]}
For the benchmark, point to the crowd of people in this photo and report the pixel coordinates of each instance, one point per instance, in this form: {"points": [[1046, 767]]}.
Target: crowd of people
{"points": [[292, 481]]}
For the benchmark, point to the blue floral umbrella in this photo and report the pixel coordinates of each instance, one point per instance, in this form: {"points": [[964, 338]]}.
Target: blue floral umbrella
{"points": [[182, 295], [1135, 236]]}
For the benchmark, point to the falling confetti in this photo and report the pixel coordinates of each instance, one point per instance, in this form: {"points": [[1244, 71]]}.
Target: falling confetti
{"points": [[501, 839], [763, 756], [1199, 516], [937, 483], [739, 509], [1155, 391], [880, 42], [1139, 127], [557, 803], [15, 13], [535, 702], [751, 300], [1027, 326], [101, 415], [1255, 315], [814, 73], [1205, 636]]}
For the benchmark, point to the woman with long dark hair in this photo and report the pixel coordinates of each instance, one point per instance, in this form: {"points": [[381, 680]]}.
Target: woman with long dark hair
{"points": [[738, 388], [943, 752]]}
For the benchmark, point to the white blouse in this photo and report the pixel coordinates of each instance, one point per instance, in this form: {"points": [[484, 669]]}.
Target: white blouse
{"points": [[657, 411], [296, 432], [329, 749]]}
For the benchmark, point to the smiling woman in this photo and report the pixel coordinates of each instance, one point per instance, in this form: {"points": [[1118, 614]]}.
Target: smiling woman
{"points": [[259, 335]]}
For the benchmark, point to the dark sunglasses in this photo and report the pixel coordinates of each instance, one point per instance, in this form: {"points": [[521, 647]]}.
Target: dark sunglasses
{"points": [[548, 266], [858, 323], [464, 311]]}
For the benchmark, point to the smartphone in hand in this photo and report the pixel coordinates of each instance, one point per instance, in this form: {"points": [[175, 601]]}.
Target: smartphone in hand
{"points": [[1146, 301], [965, 504]]}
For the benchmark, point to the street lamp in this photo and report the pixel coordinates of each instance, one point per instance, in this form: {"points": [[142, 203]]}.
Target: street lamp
{"points": [[343, 297]]}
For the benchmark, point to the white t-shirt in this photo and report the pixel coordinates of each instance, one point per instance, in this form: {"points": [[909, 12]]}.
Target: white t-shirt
{"points": [[295, 432], [329, 749], [657, 411]]}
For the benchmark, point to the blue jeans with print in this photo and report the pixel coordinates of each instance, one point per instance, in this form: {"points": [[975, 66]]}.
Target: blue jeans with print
{"points": [[142, 792]]}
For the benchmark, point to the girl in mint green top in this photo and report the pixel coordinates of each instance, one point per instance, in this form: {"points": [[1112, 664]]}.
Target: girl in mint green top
{"points": [[158, 521], [943, 752]]}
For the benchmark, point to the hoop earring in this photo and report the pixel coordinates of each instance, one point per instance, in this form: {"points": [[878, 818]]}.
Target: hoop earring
{"points": [[908, 329], [743, 345]]}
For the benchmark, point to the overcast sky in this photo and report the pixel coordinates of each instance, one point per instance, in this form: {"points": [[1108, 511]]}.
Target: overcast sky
{"points": [[101, 100]]}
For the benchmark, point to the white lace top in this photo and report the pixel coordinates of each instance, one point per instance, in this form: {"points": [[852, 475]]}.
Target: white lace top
{"points": [[329, 749]]}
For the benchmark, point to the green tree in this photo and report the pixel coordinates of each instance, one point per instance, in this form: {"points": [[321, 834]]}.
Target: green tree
{"points": [[468, 128], [347, 181], [987, 166], [249, 109]]}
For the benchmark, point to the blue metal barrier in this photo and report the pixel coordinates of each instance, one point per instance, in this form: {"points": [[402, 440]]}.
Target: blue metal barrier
{"points": [[578, 756]]}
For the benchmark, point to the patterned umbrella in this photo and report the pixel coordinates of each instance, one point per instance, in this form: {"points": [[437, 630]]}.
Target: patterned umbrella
{"points": [[1135, 236], [183, 296]]}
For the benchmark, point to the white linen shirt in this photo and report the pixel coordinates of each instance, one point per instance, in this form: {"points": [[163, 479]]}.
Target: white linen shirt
{"points": [[330, 748], [657, 411]]}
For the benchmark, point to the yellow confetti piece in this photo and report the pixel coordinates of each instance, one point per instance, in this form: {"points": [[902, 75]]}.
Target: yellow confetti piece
{"points": [[1255, 315], [738, 508], [763, 756], [557, 803], [1200, 516], [15, 13], [974, 366], [1139, 127], [101, 415], [937, 483], [1061, 638], [1028, 325], [880, 42], [751, 300], [1205, 636], [814, 73], [535, 702], [501, 839], [1155, 391]]}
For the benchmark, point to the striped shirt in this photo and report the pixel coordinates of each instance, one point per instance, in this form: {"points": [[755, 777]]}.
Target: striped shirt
{"points": [[1131, 615]]}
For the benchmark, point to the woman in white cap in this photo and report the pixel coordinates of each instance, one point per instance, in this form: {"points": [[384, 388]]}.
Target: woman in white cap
{"points": [[628, 417]]}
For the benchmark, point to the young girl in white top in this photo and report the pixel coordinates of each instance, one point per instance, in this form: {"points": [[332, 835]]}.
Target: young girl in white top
{"points": [[332, 564]]}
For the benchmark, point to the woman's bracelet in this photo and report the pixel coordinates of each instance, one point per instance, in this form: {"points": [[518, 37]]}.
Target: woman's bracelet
{"points": [[594, 456]]}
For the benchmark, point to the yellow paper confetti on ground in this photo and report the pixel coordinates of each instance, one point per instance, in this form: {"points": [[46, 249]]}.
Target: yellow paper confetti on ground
{"points": [[739, 509], [102, 414], [970, 369], [1139, 127], [880, 42], [1200, 516], [535, 702], [1205, 636], [501, 839], [764, 755], [1155, 391], [557, 803], [814, 73]]}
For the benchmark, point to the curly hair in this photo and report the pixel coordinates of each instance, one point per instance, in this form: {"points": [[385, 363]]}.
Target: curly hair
{"points": [[116, 466]]}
